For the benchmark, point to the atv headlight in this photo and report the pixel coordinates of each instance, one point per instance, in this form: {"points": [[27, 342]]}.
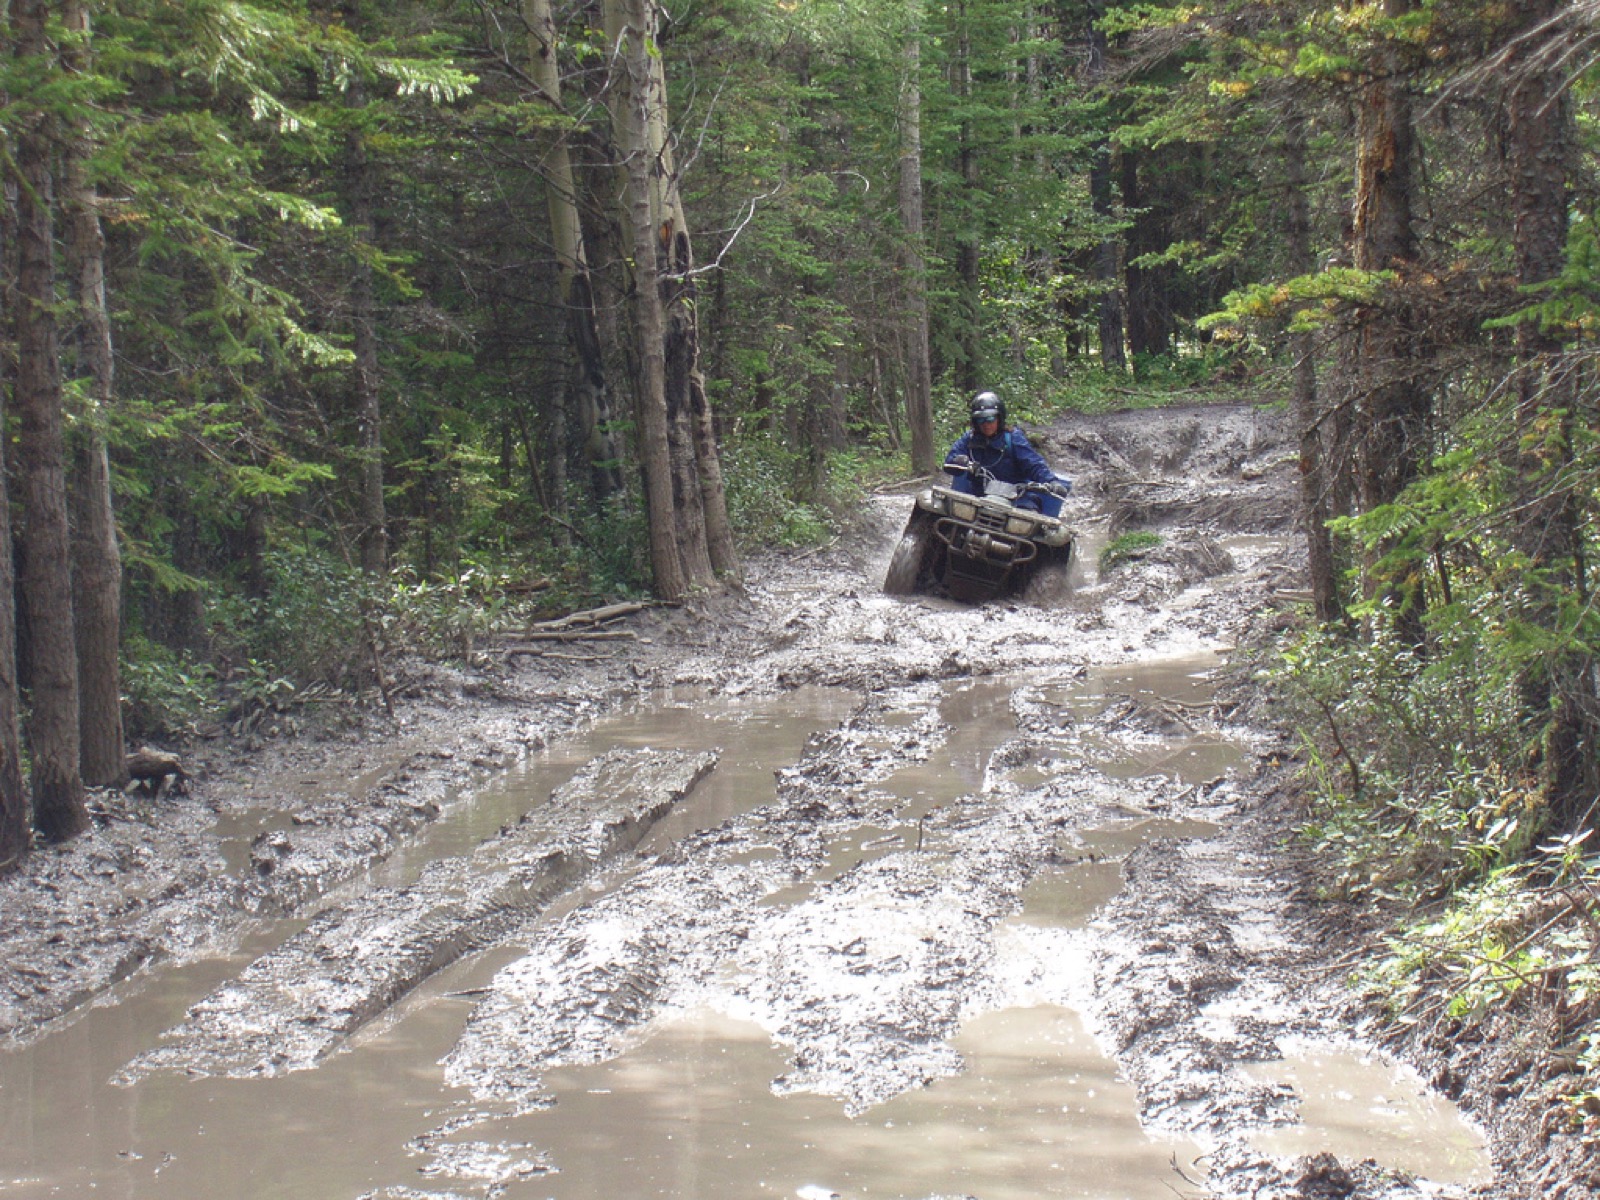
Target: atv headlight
{"points": [[1019, 526], [963, 510], [930, 501]]}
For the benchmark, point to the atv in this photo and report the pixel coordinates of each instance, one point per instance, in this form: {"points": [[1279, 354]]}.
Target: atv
{"points": [[979, 547]]}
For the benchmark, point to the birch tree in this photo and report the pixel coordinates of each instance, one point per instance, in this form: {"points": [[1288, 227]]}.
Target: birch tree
{"points": [[590, 393]]}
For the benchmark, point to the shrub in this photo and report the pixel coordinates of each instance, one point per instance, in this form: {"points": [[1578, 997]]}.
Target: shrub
{"points": [[164, 693]]}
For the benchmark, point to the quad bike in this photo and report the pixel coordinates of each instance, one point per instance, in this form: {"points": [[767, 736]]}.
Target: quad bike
{"points": [[979, 547]]}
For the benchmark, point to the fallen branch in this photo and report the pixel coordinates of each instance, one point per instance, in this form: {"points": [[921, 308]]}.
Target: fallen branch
{"points": [[535, 652], [592, 616], [815, 550], [578, 635]]}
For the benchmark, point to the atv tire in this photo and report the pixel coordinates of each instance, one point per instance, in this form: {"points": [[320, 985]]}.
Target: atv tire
{"points": [[910, 556]]}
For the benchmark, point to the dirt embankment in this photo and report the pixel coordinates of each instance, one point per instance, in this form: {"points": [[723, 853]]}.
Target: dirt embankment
{"points": [[1212, 954]]}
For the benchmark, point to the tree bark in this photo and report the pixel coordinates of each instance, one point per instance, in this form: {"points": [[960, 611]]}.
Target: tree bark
{"points": [[1107, 269], [686, 393], [59, 809], [700, 508], [919, 368], [1394, 408], [1149, 289], [16, 818], [96, 557], [591, 396], [627, 32], [365, 379], [1315, 497], [968, 243], [1558, 691]]}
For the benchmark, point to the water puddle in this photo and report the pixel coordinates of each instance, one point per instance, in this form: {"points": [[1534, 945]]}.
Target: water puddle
{"points": [[755, 737], [1358, 1105], [1066, 897], [690, 1113], [687, 1112], [978, 712], [334, 1132]]}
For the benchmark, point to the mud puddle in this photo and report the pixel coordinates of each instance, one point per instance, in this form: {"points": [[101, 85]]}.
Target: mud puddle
{"points": [[1038, 1111], [1357, 1105], [853, 962], [755, 737]]}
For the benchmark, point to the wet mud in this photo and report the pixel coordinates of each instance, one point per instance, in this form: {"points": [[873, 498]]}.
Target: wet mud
{"points": [[809, 892]]}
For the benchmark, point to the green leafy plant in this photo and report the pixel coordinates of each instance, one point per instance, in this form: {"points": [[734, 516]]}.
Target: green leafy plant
{"points": [[1126, 548], [164, 693]]}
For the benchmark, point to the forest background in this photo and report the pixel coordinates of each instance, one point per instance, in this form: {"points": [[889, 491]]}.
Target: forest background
{"points": [[333, 330]]}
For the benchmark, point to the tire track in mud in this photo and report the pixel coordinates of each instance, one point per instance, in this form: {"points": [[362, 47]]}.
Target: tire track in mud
{"points": [[862, 979], [294, 1005]]}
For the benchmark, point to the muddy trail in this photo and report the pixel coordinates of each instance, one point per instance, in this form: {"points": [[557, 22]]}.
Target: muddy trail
{"points": [[806, 892]]}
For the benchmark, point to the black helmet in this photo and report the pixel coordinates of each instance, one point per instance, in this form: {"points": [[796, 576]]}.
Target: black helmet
{"points": [[986, 406]]}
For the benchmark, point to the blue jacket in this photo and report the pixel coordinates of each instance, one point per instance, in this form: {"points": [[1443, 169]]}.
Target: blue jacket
{"points": [[1007, 456]]}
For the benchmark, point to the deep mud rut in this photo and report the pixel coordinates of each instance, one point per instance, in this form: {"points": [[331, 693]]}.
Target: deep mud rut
{"points": [[1005, 910]]}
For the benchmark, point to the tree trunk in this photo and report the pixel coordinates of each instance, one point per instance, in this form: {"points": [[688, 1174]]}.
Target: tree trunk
{"points": [[1149, 288], [59, 808], [968, 243], [1315, 499], [1558, 691], [96, 557], [590, 394], [705, 536], [919, 369], [627, 31], [16, 819], [365, 380], [1394, 408], [686, 394], [1107, 268]]}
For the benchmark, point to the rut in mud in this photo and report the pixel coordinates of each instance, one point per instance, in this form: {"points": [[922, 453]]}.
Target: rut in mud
{"points": [[1009, 919]]}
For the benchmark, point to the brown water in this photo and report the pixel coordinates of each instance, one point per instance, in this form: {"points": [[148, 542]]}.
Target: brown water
{"points": [[1039, 1112], [1360, 1105], [688, 1111]]}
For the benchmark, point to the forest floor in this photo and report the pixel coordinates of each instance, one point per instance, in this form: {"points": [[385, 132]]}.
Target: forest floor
{"points": [[1208, 950]]}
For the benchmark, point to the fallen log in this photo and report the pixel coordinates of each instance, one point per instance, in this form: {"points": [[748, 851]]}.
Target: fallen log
{"points": [[592, 616]]}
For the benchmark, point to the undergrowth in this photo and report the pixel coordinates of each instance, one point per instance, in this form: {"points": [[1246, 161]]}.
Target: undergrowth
{"points": [[1416, 801]]}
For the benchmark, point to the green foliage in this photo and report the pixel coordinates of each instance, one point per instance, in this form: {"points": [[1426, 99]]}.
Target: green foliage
{"points": [[1568, 306], [1525, 930], [1301, 304], [165, 693], [1126, 548], [308, 627], [1410, 787], [446, 619], [764, 480]]}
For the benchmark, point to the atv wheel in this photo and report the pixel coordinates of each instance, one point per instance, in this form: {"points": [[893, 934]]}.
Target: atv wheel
{"points": [[1048, 580], [905, 567]]}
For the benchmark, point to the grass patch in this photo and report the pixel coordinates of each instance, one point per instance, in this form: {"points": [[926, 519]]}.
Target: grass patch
{"points": [[1128, 548]]}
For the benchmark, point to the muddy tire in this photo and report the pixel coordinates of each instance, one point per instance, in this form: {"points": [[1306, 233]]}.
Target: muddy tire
{"points": [[905, 566], [1047, 582]]}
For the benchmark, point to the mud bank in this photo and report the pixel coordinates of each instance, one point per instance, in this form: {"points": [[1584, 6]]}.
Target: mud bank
{"points": [[892, 895]]}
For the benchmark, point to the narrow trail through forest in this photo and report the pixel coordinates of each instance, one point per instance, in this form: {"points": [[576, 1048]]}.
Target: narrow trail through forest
{"points": [[816, 892]]}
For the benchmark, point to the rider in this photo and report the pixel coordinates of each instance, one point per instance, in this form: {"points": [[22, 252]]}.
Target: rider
{"points": [[1002, 452]]}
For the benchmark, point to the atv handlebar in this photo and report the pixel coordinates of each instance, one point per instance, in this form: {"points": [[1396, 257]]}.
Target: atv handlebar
{"points": [[984, 476]]}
